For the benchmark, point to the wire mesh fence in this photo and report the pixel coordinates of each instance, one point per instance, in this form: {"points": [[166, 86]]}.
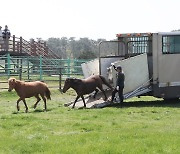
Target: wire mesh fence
{"points": [[27, 68]]}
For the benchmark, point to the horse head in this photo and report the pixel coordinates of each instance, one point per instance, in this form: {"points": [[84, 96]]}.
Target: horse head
{"points": [[110, 74], [71, 83], [12, 84], [67, 84]]}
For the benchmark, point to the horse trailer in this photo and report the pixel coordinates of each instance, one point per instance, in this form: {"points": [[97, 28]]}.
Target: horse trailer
{"points": [[150, 62]]}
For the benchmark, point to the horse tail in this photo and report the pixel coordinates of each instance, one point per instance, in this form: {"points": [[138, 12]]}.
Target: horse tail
{"points": [[105, 82], [48, 93]]}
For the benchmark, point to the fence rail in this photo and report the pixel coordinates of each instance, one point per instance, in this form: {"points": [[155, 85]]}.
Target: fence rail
{"points": [[19, 46], [38, 68]]}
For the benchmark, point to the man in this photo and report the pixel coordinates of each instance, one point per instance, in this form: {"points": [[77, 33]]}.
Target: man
{"points": [[6, 33], [119, 84]]}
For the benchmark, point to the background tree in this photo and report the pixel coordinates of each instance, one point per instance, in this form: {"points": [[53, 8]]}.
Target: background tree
{"points": [[84, 48]]}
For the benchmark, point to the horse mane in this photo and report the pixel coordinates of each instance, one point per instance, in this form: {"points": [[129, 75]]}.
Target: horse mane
{"points": [[75, 80], [11, 79], [15, 80]]}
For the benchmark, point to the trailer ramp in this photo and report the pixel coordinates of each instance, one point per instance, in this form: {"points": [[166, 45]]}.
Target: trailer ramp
{"points": [[90, 101], [99, 102]]}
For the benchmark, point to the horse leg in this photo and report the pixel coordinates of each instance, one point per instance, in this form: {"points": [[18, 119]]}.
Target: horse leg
{"points": [[96, 91], [25, 105], [83, 101], [104, 94], [75, 101], [100, 87], [38, 99], [18, 108], [44, 99]]}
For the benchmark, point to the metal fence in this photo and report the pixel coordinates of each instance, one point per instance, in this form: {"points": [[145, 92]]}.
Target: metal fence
{"points": [[39, 68]]}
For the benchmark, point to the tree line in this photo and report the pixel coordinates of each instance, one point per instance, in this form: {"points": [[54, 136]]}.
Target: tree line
{"points": [[83, 48]]}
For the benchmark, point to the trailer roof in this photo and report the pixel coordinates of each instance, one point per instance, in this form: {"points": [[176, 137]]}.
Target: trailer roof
{"points": [[170, 33], [133, 34], [146, 34]]}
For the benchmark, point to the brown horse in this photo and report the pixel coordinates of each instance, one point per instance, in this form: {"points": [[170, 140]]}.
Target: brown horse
{"points": [[29, 89], [86, 86]]}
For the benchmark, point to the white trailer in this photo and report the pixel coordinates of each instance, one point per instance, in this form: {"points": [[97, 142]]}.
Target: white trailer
{"points": [[150, 62], [163, 61]]}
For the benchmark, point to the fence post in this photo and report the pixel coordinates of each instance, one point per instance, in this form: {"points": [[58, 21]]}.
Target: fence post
{"points": [[40, 67], [14, 48], [69, 65], [60, 79], [21, 44], [20, 73], [8, 65], [7, 43], [33, 47], [28, 68]]}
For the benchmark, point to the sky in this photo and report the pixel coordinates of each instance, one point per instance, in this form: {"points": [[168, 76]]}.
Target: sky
{"points": [[88, 18]]}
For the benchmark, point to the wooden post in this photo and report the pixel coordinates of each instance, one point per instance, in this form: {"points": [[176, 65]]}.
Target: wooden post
{"points": [[33, 47], [21, 42], [14, 49], [7, 43], [45, 48], [18, 46]]}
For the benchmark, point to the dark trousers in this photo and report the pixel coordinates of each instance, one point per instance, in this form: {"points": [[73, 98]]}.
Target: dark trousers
{"points": [[120, 92]]}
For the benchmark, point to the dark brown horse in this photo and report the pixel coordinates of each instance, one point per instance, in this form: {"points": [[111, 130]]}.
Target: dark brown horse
{"points": [[86, 86], [29, 89]]}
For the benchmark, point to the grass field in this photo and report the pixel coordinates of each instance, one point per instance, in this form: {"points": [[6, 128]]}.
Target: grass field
{"points": [[145, 125]]}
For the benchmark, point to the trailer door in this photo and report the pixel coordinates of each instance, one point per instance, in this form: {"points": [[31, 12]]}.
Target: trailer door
{"points": [[169, 64]]}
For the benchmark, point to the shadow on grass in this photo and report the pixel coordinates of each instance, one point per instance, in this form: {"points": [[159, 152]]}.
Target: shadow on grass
{"points": [[154, 103], [15, 112], [41, 110], [34, 111]]}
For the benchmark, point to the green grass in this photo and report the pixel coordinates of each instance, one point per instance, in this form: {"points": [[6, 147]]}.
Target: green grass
{"points": [[145, 125]]}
